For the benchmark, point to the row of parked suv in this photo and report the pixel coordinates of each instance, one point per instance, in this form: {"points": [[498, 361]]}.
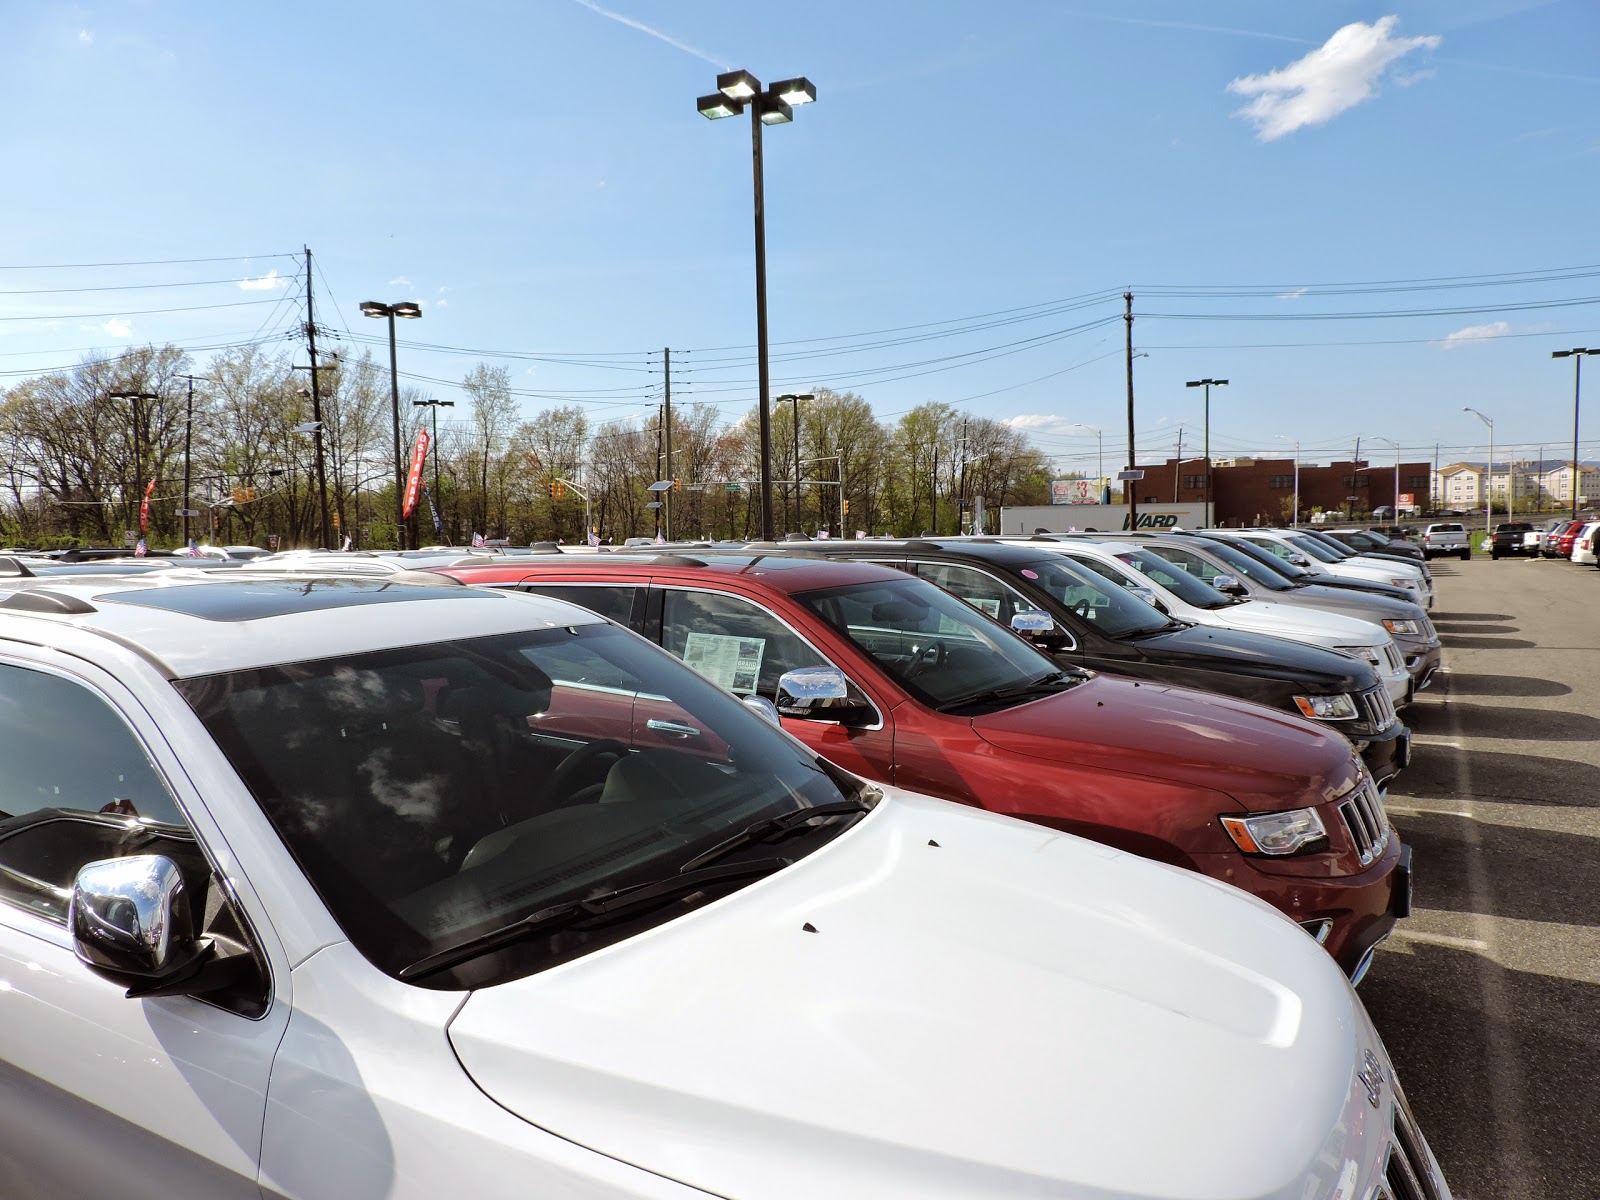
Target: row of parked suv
{"points": [[329, 875]]}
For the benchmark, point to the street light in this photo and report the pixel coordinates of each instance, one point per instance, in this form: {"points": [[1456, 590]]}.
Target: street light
{"points": [[736, 91], [1208, 384], [1577, 383], [410, 310], [1488, 486], [433, 449], [138, 462], [794, 399]]}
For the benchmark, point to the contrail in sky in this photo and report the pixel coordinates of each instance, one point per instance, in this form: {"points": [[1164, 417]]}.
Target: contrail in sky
{"points": [[655, 33]]}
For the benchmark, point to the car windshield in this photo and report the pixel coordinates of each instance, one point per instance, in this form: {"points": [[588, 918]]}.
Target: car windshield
{"points": [[1318, 550], [938, 648], [436, 792], [1185, 586], [1373, 535], [1266, 561], [1240, 563], [1112, 610]]}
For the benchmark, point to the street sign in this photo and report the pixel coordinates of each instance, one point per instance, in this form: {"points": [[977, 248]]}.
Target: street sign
{"points": [[654, 504], [188, 512], [733, 487], [272, 541], [130, 537], [1130, 474], [660, 485]]}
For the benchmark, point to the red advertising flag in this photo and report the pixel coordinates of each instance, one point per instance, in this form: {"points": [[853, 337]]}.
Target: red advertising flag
{"points": [[419, 455], [144, 506]]}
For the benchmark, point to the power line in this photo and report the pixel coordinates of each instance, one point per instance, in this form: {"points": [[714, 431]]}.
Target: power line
{"points": [[140, 312], [151, 262]]}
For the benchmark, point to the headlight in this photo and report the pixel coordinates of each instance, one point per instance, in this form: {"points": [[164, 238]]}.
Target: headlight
{"points": [[1276, 833], [1327, 708], [1371, 654], [1402, 627], [1404, 583]]}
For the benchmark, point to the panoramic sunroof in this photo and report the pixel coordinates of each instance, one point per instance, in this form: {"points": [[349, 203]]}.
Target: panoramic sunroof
{"points": [[238, 600]]}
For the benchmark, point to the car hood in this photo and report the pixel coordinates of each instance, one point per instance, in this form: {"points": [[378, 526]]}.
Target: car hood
{"points": [[1301, 622], [943, 1004], [1264, 759], [1253, 655]]}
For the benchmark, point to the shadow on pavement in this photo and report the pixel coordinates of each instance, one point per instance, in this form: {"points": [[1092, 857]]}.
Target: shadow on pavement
{"points": [[1461, 628], [1530, 874], [1520, 724], [1504, 685], [1508, 778], [1516, 1138], [1455, 641], [1436, 617]]}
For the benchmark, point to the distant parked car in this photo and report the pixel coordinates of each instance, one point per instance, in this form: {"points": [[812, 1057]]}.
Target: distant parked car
{"points": [[1445, 537], [1564, 538], [1508, 538], [1583, 544]]}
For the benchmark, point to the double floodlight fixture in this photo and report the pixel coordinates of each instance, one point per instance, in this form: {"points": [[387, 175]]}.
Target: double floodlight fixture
{"points": [[774, 106], [409, 309], [308, 427], [1581, 350], [1207, 383]]}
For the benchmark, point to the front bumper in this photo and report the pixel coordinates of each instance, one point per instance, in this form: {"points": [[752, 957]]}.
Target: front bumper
{"points": [[1386, 754], [1424, 657]]}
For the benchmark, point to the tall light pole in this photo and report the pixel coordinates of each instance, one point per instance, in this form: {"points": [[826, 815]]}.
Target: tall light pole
{"points": [[736, 91], [138, 458], [1208, 384], [410, 310], [794, 399], [1396, 504], [1577, 385], [1488, 486], [433, 448]]}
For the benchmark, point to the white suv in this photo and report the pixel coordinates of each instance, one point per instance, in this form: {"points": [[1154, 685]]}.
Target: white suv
{"points": [[342, 887]]}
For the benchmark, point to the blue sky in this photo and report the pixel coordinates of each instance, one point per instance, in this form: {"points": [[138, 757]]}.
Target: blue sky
{"points": [[535, 174]]}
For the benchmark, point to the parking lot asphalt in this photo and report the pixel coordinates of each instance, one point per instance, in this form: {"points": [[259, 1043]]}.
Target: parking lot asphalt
{"points": [[1488, 997]]}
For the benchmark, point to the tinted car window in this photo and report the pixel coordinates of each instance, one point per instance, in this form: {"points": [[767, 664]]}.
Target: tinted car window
{"points": [[1176, 579], [1111, 609], [614, 602], [935, 646], [977, 587], [1240, 563], [77, 786]]}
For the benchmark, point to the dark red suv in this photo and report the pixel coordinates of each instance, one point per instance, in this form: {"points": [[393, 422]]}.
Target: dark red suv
{"points": [[899, 681]]}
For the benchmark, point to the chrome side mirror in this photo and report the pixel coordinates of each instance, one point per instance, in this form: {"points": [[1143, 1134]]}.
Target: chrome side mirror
{"points": [[765, 709], [1032, 620], [1300, 560], [1148, 595], [131, 918], [1229, 584], [820, 694]]}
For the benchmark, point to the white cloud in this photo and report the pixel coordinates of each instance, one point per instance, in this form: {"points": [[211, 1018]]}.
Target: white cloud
{"points": [[270, 282], [86, 36], [1474, 333], [441, 302], [1338, 75], [1047, 423], [400, 281], [655, 33], [1294, 295], [117, 327]]}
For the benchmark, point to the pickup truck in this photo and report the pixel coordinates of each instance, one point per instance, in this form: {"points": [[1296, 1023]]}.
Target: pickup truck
{"points": [[1510, 537], [1447, 538]]}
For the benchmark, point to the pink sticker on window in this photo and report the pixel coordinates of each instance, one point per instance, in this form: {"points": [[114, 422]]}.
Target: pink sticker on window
{"points": [[1027, 574]]}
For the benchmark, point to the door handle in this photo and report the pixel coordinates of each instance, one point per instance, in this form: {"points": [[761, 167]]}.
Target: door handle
{"points": [[673, 727]]}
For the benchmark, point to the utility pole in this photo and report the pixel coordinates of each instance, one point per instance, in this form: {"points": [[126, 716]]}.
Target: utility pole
{"points": [[1433, 483], [962, 504], [838, 461], [661, 529], [1177, 468], [1130, 486], [188, 442], [666, 423], [933, 493], [316, 410]]}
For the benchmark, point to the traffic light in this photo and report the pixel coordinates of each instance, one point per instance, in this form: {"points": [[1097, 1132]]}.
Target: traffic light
{"points": [[238, 495], [336, 518], [561, 490], [677, 485], [846, 508]]}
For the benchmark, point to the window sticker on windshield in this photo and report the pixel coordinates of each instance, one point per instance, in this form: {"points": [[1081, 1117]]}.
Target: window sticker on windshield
{"points": [[992, 607], [730, 662], [1027, 574]]}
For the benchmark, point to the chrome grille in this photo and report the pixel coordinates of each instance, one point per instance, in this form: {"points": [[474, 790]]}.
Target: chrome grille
{"points": [[1428, 630], [1366, 822], [1391, 652], [1411, 1172], [1377, 710]]}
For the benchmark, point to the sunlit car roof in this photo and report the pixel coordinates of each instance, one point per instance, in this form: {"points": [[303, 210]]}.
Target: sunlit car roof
{"points": [[197, 622]]}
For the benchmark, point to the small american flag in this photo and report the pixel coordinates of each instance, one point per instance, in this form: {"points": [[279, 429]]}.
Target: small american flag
{"points": [[194, 550], [594, 538], [140, 549], [477, 540], [346, 545]]}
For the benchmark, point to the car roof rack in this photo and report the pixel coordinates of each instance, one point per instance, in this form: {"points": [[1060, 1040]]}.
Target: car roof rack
{"points": [[45, 601], [14, 568]]}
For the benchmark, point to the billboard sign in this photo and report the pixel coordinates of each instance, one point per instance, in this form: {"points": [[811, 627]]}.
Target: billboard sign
{"points": [[1074, 491]]}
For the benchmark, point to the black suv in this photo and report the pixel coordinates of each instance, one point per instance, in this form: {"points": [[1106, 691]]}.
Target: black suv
{"points": [[1098, 624], [1508, 539]]}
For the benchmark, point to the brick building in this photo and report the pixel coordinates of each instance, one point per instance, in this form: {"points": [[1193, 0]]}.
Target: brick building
{"points": [[1260, 491]]}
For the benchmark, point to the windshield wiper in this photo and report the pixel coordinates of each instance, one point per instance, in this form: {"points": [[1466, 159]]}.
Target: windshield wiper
{"points": [[1040, 686], [773, 828], [605, 904]]}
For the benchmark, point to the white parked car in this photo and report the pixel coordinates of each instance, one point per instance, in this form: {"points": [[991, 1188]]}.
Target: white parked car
{"points": [[1318, 558], [1583, 545], [363, 888]]}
